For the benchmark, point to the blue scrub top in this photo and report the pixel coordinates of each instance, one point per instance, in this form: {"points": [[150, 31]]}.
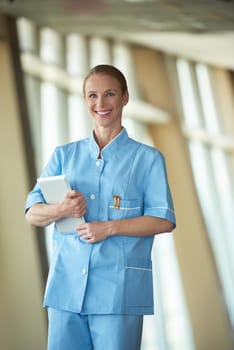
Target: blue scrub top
{"points": [[113, 276]]}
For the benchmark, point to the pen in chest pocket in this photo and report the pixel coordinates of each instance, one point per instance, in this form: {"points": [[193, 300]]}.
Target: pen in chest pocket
{"points": [[116, 201]]}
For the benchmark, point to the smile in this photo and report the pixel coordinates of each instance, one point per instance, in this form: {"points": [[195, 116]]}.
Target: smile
{"points": [[103, 114]]}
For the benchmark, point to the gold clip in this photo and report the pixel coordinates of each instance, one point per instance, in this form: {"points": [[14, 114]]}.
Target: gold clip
{"points": [[116, 202]]}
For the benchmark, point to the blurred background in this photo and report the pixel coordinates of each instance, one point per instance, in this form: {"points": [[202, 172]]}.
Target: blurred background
{"points": [[178, 57]]}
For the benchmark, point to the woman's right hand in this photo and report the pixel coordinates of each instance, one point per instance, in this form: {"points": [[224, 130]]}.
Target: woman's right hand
{"points": [[73, 205]]}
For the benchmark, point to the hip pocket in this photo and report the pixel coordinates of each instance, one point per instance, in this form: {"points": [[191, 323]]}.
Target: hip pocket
{"points": [[139, 283]]}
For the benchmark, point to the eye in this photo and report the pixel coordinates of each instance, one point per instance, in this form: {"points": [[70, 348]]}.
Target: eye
{"points": [[110, 93], [92, 96]]}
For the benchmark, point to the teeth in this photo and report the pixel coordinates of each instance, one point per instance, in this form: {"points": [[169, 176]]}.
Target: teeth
{"points": [[103, 113]]}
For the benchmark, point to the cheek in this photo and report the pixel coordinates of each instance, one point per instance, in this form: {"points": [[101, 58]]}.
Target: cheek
{"points": [[89, 106], [120, 106]]}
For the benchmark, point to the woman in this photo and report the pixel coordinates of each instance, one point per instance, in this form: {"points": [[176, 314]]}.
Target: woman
{"points": [[100, 280]]}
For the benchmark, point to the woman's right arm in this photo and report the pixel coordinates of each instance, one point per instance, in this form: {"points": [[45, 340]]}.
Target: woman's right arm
{"points": [[41, 214]]}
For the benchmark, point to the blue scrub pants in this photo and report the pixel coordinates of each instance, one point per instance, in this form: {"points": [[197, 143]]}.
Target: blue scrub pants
{"points": [[71, 331]]}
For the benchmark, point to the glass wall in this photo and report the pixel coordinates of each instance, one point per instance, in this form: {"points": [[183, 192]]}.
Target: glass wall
{"points": [[211, 147]]}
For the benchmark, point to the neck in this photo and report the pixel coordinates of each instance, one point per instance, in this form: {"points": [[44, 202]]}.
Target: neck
{"points": [[103, 136]]}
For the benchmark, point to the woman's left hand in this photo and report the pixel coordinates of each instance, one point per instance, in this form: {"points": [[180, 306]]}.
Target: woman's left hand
{"points": [[94, 232]]}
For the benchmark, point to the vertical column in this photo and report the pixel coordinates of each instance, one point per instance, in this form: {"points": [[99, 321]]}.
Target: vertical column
{"points": [[122, 59], [53, 100], [28, 41], [77, 66], [100, 52], [22, 319], [53, 107]]}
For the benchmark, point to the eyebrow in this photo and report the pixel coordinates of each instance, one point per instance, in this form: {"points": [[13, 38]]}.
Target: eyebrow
{"points": [[94, 91]]}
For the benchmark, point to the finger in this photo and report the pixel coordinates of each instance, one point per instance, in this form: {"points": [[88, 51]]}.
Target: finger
{"points": [[81, 227], [71, 194], [90, 240]]}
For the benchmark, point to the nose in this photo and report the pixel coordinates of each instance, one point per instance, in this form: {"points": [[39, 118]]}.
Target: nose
{"points": [[100, 101]]}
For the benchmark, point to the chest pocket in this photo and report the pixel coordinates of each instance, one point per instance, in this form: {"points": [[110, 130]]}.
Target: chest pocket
{"points": [[126, 209]]}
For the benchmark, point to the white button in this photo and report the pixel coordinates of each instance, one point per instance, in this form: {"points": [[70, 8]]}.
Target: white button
{"points": [[92, 196], [84, 271], [98, 163]]}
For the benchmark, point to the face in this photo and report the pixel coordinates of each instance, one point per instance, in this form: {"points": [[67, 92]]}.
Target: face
{"points": [[105, 100]]}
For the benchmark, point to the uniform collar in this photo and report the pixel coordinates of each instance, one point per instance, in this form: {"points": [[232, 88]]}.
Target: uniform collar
{"points": [[112, 149]]}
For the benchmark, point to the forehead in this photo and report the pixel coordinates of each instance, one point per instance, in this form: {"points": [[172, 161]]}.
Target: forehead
{"points": [[101, 82]]}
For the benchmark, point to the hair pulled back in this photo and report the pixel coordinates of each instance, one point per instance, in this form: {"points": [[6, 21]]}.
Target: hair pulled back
{"points": [[110, 70]]}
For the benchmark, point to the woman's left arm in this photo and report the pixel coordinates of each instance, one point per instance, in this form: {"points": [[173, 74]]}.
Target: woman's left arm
{"points": [[140, 226]]}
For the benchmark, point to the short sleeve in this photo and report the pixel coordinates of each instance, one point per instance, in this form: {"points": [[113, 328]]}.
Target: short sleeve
{"points": [[52, 168], [157, 195]]}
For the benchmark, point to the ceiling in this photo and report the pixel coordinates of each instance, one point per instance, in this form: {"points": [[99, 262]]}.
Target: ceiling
{"points": [[201, 29]]}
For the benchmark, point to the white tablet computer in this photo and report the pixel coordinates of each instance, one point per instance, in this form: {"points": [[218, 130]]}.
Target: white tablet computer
{"points": [[54, 189]]}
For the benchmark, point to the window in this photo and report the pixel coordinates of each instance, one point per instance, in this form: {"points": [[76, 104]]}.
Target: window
{"points": [[211, 151]]}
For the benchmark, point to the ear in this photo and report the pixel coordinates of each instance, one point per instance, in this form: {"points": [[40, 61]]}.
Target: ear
{"points": [[125, 98]]}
